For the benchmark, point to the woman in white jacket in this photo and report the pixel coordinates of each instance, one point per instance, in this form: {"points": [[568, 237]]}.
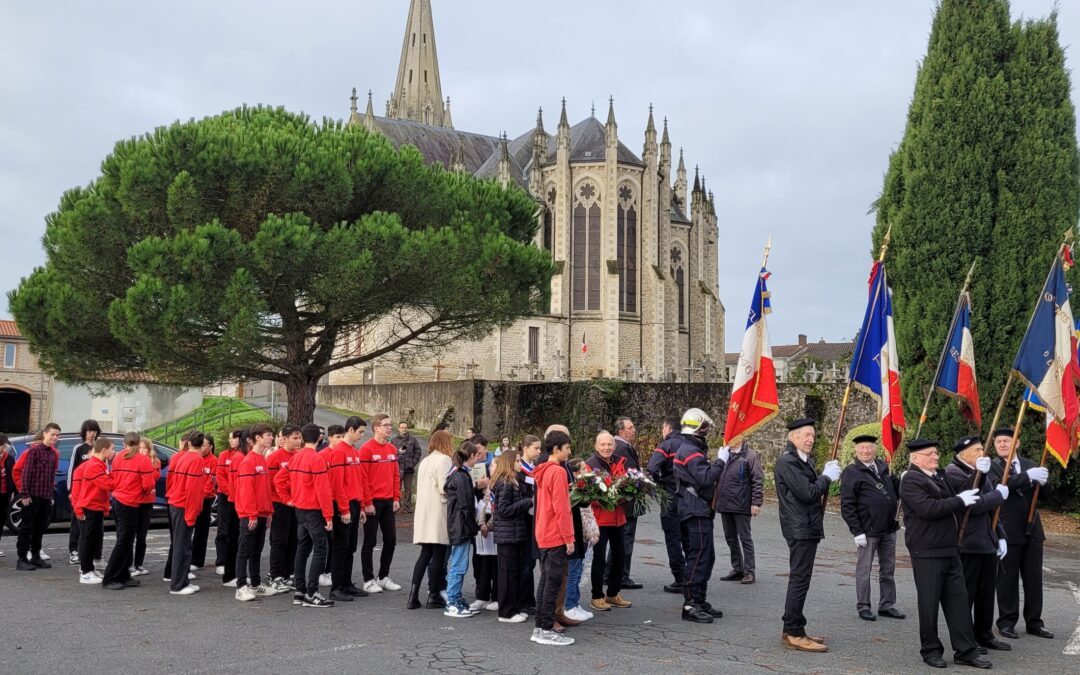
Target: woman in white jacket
{"points": [[429, 521]]}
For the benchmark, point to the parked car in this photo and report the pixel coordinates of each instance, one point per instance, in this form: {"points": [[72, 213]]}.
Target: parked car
{"points": [[61, 503]]}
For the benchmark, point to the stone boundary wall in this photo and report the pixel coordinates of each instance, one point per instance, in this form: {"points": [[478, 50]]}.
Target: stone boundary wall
{"points": [[423, 404]]}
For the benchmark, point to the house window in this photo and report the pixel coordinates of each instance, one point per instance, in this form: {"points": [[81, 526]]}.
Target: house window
{"points": [[534, 345], [9, 354], [586, 249]]}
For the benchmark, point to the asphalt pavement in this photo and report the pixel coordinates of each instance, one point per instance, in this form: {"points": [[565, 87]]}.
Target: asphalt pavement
{"points": [[53, 624]]}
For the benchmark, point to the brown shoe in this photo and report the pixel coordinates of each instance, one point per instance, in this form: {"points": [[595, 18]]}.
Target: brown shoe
{"points": [[802, 644], [748, 578], [600, 605], [565, 620], [618, 601], [558, 628]]}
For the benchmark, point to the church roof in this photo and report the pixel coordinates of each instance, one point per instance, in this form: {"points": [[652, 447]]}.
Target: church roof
{"points": [[588, 144], [520, 158], [438, 144], [677, 215]]}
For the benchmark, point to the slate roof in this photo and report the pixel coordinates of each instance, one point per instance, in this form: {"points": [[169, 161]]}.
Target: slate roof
{"points": [[438, 144], [587, 144]]}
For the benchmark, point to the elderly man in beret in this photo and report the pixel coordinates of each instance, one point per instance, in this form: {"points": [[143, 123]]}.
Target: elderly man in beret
{"points": [[868, 498]]}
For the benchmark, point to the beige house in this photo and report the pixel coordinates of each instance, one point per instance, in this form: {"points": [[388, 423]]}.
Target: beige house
{"points": [[24, 388], [636, 293]]}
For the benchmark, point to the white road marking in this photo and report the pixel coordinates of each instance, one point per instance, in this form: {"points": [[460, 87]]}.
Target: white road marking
{"points": [[1073, 647]]}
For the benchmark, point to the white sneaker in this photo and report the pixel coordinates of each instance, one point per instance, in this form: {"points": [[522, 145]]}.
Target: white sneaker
{"points": [[138, 571], [458, 611], [98, 574], [190, 576], [220, 569], [190, 589], [89, 578], [265, 591], [372, 586], [577, 614], [2, 554], [45, 556], [246, 594], [231, 583], [279, 586], [492, 606], [325, 580], [192, 568], [517, 618], [550, 637], [388, 584], [477, 605]]}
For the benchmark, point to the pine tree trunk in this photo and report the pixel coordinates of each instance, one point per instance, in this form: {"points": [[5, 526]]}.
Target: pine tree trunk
{"points": [[301, 394]]}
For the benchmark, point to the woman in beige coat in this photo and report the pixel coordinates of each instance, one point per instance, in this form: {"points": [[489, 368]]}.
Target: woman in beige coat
{"points": [[429, 521]]}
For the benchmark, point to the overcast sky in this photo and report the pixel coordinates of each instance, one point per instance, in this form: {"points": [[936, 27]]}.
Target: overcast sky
{"points": [[791, 107]]}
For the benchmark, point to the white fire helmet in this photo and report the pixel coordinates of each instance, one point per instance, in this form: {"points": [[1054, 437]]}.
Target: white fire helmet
{"points": [[695, 421]]}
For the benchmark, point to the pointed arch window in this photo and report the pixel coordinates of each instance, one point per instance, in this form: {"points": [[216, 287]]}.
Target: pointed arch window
{"points": [[549, 222], [627, 252], [679, 275], [585, 245]]}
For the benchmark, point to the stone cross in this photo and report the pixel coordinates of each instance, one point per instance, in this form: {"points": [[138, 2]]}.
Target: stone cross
{"points": [[438, 368], [558, 365], [812, 373], [690, 370], [834, 373], [470, 369]]}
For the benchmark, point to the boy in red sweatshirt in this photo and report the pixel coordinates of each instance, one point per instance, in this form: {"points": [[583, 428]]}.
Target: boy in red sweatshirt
{"points": [[554, 535], [185, 489], [227, 510], [338, 544], [381, 481], [133, 475], [221, 484], [35, 479], [251, 494], [354, 485], [309, 491], [283, 537], [92, 486]]}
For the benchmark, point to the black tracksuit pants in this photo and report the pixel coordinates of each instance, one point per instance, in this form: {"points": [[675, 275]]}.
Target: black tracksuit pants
{"points": [[939, 582], [249, 553], [552, 575], [383, 520], [91, 536], [201, 536], [341, 552], [509, 584], [283, 538], [142, 529], [311, 542], [227, 519], [35, 520], [180, 551], [122, 557]]}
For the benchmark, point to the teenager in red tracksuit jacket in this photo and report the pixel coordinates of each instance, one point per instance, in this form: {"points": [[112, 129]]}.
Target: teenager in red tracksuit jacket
{"points": [[202, 526], [227, 507], [338, 560], [310, 492], [133, 476], [221, 480], [251, 495], [554, 534], [283, 533], [146, 506], [185, 487], [347, 454], [92, 485], [382, 498]]}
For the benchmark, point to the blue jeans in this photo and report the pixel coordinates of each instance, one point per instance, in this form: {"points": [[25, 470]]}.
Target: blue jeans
{"points": [[455, 572], [573, 583]]}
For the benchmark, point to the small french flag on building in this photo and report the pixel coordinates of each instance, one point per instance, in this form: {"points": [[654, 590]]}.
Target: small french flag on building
{"points": [[584, 345]]}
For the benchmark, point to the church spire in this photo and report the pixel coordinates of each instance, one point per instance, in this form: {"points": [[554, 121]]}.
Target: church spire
{"points": [[354, 116], [418, 93], [369, 113]]}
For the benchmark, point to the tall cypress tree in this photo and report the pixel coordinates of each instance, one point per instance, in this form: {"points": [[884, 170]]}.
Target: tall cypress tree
{"points": [[987, 168]]}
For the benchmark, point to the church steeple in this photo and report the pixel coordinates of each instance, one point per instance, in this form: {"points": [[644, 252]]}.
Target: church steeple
{"points": [[418, 93]]}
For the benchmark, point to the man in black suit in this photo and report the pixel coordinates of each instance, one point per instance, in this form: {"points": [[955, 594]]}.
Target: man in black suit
{"points": [[930, 509], [625, 433]]}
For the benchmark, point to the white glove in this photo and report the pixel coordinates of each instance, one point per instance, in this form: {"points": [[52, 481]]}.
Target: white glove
{"points": [[983, 464], [860, 540], [1039, 474], [1004, 490], [969, 497], [1003, 548], [723, 454], [831, 470]]}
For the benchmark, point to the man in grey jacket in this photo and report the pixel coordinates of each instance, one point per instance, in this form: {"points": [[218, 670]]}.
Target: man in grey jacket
{"points": [[741, 493]]}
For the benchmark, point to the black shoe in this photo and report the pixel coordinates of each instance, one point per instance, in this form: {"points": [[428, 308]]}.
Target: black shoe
{"points": [[975, 662], [892, 613], [935, 662], [996, 645], [414, 597], [712, 611], [356, 591], [113, 586], [435, 601], [130, 583], [695, 614], [1040, 632], [341, 595], [298, 598], [630, 584], [530, 610], [24, 566], [317, 601], [982, 650], [40, 564], [674, 587], [867, 615], [1009, 632], [732, 576]]}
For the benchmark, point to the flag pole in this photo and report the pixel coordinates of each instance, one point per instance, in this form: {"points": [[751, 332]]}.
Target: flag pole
{"points": [[847, 390], [1012, 456], [944, 349], [1035, 497], [989, 440]]}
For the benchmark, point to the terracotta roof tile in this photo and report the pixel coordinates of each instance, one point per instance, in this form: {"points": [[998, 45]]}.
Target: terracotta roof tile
{"points": [[9, 328]]}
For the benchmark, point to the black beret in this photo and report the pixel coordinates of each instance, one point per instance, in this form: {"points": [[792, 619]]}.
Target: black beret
{"points": [[800, 423], [917, 444], [965, 443], [1003, 431], [864, 438]]}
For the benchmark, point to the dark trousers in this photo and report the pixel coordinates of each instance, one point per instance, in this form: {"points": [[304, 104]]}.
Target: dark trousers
{"points": [[249, 553], [311, 542], [431, 561], [35, 520], [509, 583], [73, 534], [552, 576], [283, 538], [91, 535], [1023, 563], [801, 554], [739, 541], [122, 556], [609, 536], [700, 558], [940, 582], [629, 533], [227, 519], [980, 580], [345, 535], [202, 534], [5, 507], [526, 575], [407, 480], [180, 551], [219, 537], [142, 528], [383, 520], [486, 573], [675, 543]]}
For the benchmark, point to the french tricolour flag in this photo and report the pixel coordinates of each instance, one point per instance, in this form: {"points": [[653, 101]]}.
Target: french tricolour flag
{"points": [[875, 367], [754, 400], [957, 376]]}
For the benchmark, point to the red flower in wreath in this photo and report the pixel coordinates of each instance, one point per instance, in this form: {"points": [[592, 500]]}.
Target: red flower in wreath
{"points": [[607, 481]]}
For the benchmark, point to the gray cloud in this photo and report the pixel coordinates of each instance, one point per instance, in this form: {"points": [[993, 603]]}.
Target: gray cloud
{"points": [[790, 107]]}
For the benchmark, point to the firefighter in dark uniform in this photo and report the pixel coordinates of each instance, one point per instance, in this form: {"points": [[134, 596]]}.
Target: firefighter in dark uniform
{"points": [[982, 546], [800, 492], [696, 480], [1025, 557], [661, 468], [931, 508]]}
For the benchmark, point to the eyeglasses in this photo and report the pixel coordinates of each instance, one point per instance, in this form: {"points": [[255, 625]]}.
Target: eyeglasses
{"points": [[384, 424]]}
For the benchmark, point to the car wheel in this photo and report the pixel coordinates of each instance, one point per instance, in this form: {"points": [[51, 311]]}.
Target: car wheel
{"points": [[14, 517]]}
